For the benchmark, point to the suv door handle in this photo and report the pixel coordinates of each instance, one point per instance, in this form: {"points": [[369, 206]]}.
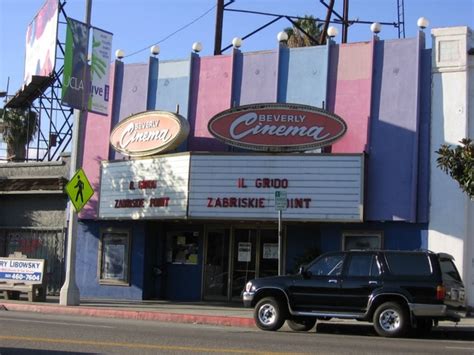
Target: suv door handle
{"points": [[373, 282], [332, 281]]}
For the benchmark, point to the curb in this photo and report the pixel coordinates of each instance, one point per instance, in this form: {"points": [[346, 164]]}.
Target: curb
{"points": [[136, 315]]}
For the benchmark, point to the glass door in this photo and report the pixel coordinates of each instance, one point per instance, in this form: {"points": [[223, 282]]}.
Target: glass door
{"points": [[244, 258], [268, 242], [216, 267]]}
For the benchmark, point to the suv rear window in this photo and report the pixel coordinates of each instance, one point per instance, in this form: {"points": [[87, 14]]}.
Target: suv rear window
{"points": [[450, 273], [408, 264]]}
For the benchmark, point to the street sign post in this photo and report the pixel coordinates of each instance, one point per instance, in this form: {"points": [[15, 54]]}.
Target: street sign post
{"points": [[79, 190], [280, 205]]}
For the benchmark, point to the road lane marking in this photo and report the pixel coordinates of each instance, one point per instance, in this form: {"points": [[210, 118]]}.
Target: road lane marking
{"points": [[458, 348], [141, 346], [58, 323]]}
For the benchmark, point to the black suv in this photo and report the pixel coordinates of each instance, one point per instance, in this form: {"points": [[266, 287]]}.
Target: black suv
{"points": [[396, 290]]}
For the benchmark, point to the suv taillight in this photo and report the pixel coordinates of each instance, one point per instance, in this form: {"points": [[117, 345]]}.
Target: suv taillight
{"points": [[440, 292]]}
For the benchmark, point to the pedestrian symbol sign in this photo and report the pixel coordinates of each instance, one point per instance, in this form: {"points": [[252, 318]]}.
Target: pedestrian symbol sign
{"points": [[79, 190]]}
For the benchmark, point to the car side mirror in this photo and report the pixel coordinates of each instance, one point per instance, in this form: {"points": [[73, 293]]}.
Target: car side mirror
{"points": [[303, 272]]}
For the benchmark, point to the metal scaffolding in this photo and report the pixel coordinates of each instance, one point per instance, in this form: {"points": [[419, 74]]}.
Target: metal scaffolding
{"points": [[43, 96], [332, 16]]}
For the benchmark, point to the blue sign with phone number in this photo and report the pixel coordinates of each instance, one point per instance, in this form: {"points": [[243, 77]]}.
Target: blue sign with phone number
{"points": [[36, 276]]}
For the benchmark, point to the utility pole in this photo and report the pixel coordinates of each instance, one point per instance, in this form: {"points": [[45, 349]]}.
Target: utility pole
{"points": [[69, 294], [345, 21], [219, 22]]}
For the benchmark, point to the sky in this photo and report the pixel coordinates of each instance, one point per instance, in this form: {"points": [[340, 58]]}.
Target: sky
{"points": [[177, 24]]}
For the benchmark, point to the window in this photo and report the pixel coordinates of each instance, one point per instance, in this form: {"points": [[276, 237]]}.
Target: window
{"points": [[329, 265], [114, 257], [363, 265], [182, 247], [361, 240], [408, 264], [450, 273]]}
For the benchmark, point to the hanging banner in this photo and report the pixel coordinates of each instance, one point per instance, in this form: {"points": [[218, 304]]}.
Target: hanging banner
{"points": [[100, 60], [75, 89]]}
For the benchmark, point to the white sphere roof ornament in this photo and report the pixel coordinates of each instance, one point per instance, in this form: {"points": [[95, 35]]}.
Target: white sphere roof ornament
{"points": [[422, 23], [332, 32], [119, 54], [376, 27], [155, 50], [237, 42], [282, 36], [197, 47]]}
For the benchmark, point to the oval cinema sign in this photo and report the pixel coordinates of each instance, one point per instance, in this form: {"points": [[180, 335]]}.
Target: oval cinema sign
{"points": [[277, 127], [149, 132]]}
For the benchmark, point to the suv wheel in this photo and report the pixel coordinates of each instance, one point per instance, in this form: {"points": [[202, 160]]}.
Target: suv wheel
{"points": [[301, 324], [269, 314], [390, 320]]}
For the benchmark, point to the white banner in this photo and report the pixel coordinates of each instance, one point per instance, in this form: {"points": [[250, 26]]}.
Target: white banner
{"points": [[21, 269], [100, 66], [318, 187]]}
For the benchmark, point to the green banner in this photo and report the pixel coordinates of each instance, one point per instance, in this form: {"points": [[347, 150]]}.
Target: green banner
{"points": [[75, 90]]}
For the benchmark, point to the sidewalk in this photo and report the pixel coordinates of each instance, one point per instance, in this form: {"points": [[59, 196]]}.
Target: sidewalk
{"points": [[212, 313]]}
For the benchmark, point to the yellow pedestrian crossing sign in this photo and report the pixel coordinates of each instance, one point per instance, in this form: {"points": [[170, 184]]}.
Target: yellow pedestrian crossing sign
{"points": [[79, 190]]}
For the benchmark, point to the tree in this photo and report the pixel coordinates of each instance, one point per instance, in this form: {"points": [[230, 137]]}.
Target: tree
{"points": [[297, 38], [20, 126], [458, 163]]}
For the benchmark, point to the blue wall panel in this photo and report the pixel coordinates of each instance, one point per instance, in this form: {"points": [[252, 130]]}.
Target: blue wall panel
{"points": [[88, 257], [303, 75], [173, 86]]}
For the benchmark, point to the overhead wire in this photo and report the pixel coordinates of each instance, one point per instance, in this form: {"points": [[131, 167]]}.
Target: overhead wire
{"points": [[173, 33]]}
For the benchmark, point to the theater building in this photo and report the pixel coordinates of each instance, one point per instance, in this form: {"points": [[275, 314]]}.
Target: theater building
{"points": [[197, 157]]}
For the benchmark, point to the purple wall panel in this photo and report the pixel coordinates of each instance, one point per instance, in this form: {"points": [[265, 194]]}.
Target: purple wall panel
{"points": [[393, 156], [424, 144], [255, 77], [96, 149], [211, 93], [131, 95], [350, 84]]}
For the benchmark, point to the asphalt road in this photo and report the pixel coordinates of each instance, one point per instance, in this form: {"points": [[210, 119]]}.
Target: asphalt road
{"points": [[32, 333]]}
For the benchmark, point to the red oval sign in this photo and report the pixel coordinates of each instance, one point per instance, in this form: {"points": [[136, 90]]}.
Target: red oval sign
{"points": [[277, 127], [148, 133]]}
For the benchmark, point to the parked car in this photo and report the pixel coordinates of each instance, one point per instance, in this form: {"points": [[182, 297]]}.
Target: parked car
{"points": [[395, 290]]}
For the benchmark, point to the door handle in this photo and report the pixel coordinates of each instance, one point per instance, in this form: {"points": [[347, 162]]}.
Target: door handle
{"points": [[332, 281], [373, 282]]}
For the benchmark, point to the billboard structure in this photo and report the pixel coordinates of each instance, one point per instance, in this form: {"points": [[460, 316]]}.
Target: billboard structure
{"points": [[40, 55]]}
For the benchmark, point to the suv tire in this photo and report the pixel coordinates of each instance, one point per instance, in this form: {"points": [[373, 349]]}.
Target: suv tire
{"points": [[301, 324], [269, 314], [391, 320]]}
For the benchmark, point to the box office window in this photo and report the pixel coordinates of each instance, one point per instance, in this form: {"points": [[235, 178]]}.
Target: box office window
{"points": [[182, 247], [361, 240], [114, 254]]}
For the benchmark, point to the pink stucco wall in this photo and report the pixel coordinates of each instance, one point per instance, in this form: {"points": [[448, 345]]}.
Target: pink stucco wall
{"points": [[350, 89], [211, 94], [96, 149]]}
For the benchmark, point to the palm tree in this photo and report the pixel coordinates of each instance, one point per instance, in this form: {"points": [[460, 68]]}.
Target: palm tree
{"points": [[298, 38], [19, 128]]}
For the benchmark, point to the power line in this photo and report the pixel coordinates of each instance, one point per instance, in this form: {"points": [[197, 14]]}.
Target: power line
{"points": [[173, 33]]}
